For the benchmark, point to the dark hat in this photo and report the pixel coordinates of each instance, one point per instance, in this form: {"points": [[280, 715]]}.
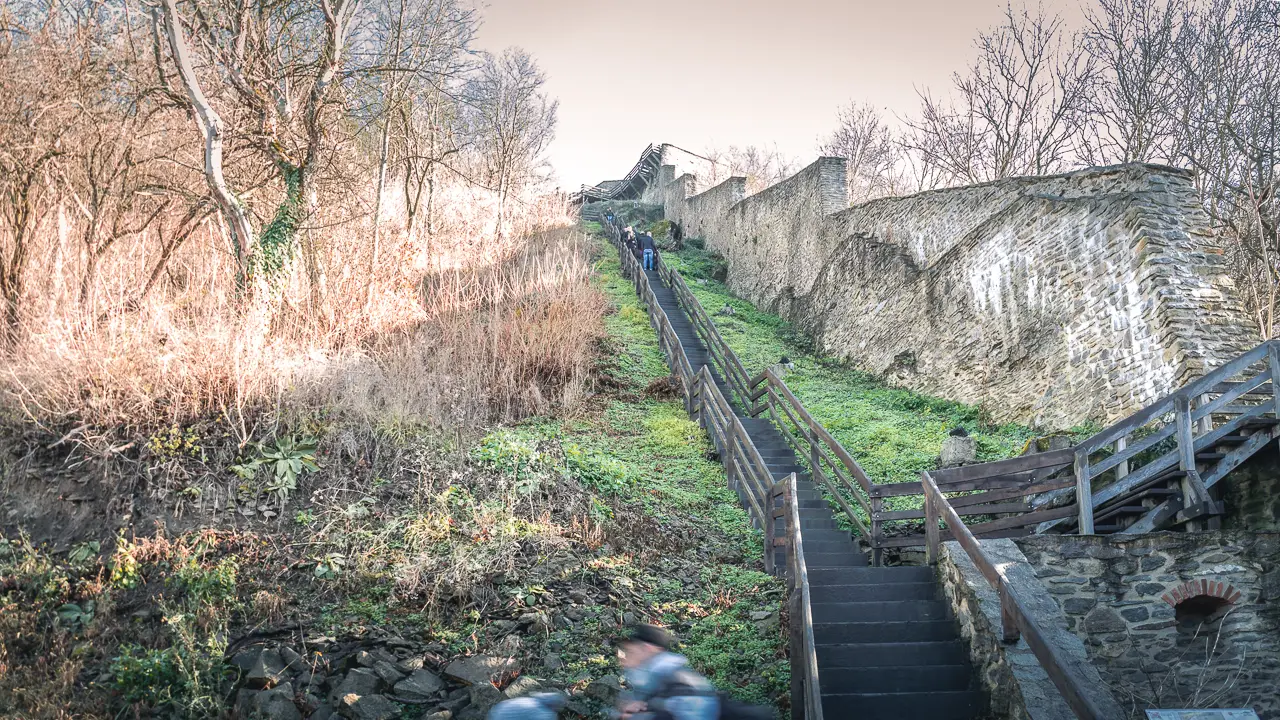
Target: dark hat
{"points": [[652, 634]]}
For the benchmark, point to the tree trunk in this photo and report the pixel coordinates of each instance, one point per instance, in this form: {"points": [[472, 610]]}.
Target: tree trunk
{"points": [[377, 205], [235, 214]]}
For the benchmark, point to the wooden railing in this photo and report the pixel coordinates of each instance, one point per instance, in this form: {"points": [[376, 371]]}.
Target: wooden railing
{"points": [[804, 654], [1087, 701], [768, 394], [744, 466], [595, 192], [1001, 491], [747, 473], [1125, 450]]}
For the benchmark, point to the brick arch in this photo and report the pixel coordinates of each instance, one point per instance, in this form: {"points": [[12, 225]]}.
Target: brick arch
{"points": [[1197, 588]]}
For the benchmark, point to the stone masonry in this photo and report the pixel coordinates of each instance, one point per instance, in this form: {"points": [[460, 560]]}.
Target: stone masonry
{"points": [[1220, 647], [1051, 300]]}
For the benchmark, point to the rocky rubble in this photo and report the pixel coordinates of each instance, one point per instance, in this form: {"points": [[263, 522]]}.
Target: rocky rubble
{"points": [[322, 678]]}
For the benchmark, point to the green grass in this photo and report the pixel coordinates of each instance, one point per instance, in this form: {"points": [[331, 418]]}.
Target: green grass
{"points": [[893, 433]]}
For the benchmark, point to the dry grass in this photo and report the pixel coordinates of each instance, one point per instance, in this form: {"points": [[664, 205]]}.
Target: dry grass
{"points": [[446, 333]]}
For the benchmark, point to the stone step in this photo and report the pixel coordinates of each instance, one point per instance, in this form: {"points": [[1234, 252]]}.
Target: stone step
{"points": [[897, 654]]}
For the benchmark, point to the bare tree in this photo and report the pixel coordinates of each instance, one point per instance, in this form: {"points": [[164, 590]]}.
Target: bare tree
{"points": [[762, 166], [870, 149], [212, 128], [1132, 114], [1018, 109], [514, 121], [1229, 131]]}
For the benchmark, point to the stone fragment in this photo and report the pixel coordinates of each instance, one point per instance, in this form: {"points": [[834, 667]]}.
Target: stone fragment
{"points": [[387, 672], [1103, 619], [1078, 606], [368, 707], [958, 450], [420, 686], [358, 682], [291, 659], [479, 669], [552, 662], [483, 697], [522, 685], [537, 622], [267, 671], [408, 665], [605, 689], [276, 704]]}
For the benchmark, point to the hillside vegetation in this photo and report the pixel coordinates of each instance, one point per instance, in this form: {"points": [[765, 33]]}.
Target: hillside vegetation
{"points": [[372, 529]]}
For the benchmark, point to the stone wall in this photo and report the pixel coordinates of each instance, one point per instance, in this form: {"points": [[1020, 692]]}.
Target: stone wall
{"points": [[702, 215], [1051, 300], [1250, 493], [1118, 594], [1020, 689]]}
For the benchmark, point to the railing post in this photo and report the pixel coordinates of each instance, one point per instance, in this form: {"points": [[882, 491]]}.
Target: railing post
{"points": [[730, 445], [1084, 492], [1122, 444], [1193, 489], [1008, 617], [877, 529], [1273, 363], [931, 532], [770, 530]]}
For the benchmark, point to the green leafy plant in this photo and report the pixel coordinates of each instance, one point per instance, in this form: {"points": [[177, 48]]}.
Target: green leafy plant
{"points": [[213, 586], [330, 566], [286, 460], [75, 616], [600, 473], [147, 676]]}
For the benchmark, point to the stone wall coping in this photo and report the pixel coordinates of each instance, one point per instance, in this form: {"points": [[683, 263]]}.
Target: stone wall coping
{"points": [[1040, 697]]}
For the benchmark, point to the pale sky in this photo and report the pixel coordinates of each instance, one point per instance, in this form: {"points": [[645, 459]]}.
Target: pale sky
{"points": [[696, 73]]}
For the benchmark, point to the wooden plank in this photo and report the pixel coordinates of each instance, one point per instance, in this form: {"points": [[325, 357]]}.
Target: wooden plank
{"points": [[1022, 463], [918, 540], [1165, 404], [931, 523], [1192, 487], [1129, 452], [1122, 468], [995, 509], [1212, 406], [995, 495], [1084, 493], [913, 488], [1256, 442]]}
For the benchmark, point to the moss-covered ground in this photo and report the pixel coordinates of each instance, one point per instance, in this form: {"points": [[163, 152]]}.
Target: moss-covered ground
{"points": [[893, 433]]}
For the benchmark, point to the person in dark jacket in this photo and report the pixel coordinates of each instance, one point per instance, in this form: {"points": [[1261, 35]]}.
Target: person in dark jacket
{"points": [[661, 685], [629, 240], [648, 247]]}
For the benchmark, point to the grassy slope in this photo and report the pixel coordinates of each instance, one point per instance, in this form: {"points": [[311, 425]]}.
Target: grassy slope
{"points": [[893, 433], [427, 539], [678, 486]]}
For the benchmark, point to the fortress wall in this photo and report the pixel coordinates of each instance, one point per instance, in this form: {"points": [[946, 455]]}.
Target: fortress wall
{"points": [[1051, 300]]}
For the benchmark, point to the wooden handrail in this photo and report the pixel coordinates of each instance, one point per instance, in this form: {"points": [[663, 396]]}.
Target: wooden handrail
{"points": [[1014, 619], [703, 398], [778, 397], [800, 591]]}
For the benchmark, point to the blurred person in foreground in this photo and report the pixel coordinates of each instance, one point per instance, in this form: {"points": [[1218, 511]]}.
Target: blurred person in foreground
{"points": [[660, 684], [538, 706]]}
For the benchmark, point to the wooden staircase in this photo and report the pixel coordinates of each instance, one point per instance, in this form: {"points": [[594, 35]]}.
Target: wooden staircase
{"points": [[871, 641], [885, 643]]}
